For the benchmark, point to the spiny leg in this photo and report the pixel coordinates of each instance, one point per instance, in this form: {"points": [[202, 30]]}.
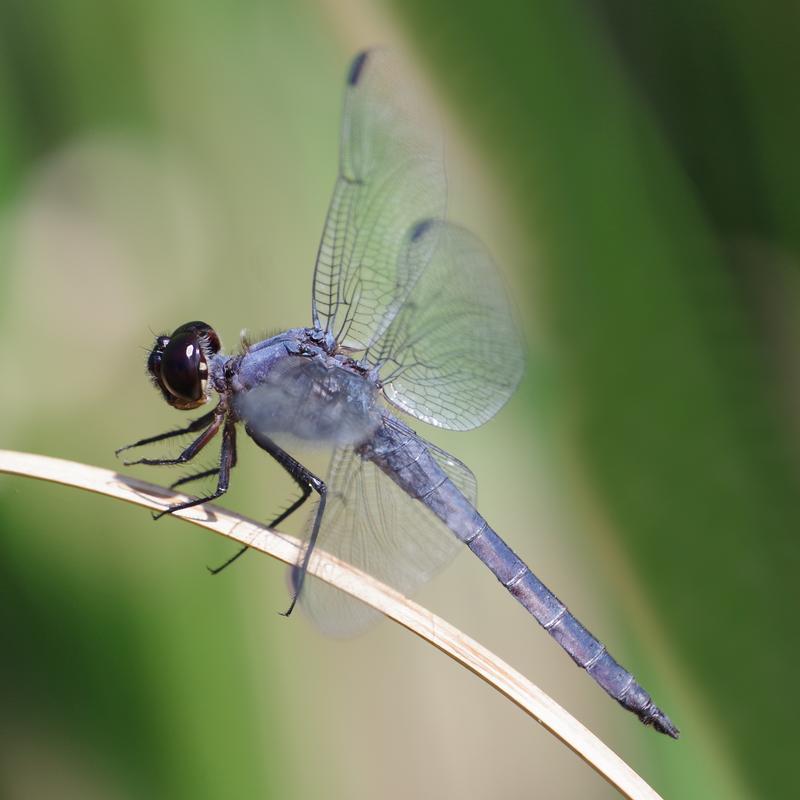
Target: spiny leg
{"points": [[307, 482], [294, 468], [192, 427], [199, 475], [299, 576], [306, 491], [190, 452], [227, 458], [195, 477]]}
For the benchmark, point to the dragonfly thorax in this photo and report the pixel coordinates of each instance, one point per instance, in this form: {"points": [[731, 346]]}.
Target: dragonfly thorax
{"points": [[292, 385]]}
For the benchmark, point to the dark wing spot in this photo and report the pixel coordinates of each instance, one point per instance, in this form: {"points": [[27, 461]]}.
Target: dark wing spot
{"points": [[420, 229], [357, 67]]}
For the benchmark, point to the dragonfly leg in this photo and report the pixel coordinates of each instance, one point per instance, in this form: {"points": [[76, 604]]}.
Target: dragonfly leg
{"points": [[299, 574], [195, 477], [192, 427], [203, 474], [227, 459], [306, 492], [307, 482], [190, 452]]}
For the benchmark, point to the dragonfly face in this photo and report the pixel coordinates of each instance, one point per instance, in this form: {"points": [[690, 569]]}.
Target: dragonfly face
{"points": [[178, 364]]}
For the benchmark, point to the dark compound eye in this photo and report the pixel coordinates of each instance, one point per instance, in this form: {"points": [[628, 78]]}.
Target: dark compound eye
{"points": [[203, 331], [180, 367], [178, 364]]}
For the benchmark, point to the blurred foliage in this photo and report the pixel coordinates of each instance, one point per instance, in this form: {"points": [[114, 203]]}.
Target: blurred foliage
{"points": [[647, 155], [649, 145]]}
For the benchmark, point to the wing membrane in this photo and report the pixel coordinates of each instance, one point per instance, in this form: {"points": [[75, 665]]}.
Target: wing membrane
{"points": [[391, 175], [373, 524], [452, 354]]}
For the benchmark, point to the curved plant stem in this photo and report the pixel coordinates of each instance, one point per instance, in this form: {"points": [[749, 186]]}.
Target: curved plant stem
{"points": [[410, 615]]}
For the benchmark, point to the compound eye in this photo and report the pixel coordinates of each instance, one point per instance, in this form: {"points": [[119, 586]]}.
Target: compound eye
{"points": [[202, 330], [183, 367], [178, 364]]}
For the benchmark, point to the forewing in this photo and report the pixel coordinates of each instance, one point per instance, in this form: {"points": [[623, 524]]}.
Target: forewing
{"points": [[372, 524], [391, 175], [452, 355]]}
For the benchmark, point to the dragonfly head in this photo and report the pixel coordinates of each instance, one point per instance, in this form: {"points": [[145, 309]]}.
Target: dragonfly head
{"points": [[178, 364]]}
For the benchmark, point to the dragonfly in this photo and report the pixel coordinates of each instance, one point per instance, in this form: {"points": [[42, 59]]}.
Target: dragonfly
{"points": [[408, 314]]}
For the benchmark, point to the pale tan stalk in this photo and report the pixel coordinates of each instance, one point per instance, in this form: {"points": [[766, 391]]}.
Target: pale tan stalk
{"points": [[434, 630]]}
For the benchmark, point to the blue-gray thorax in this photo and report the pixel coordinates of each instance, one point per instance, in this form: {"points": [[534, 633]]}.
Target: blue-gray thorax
{"points": [[297, 384]]}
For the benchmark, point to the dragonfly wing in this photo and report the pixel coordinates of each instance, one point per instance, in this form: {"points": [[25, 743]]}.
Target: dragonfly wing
{"points": [[391, 175], [452, 355], [371, 523]]}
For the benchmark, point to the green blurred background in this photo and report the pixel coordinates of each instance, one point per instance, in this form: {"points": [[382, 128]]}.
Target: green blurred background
{"points": [[634, 168]]}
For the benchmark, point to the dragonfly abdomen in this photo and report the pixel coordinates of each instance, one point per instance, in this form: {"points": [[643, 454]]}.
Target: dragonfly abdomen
{"points": [[407, 460], [585, 650]]}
